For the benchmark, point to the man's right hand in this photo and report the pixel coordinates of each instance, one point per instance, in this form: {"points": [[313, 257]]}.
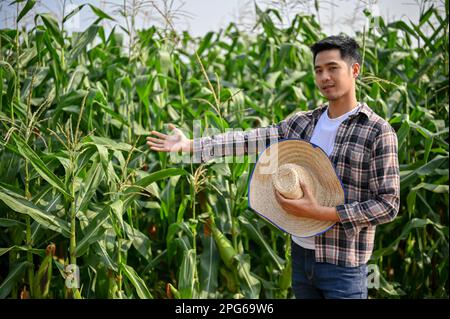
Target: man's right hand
{"points": [[170, 143]]}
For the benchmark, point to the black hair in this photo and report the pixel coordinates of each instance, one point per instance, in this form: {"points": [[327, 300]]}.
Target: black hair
{"points": [[348, 47]]}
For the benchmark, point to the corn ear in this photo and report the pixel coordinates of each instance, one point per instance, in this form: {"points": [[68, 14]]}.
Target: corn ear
{"points": [[226, 250]]}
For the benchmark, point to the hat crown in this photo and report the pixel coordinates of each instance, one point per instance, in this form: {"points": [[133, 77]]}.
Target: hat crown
{"points": [[288, 177], [285, 166]]}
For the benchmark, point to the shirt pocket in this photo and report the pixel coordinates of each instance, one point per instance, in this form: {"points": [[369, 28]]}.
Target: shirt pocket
{"points": [[357, 157], [354, 151], [356, 160]]}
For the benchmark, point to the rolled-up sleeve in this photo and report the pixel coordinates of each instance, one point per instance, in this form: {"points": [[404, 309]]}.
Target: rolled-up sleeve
{"points": [[384, 186]]}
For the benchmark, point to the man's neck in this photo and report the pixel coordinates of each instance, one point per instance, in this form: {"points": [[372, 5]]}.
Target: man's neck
{"points": [[341, 106]]}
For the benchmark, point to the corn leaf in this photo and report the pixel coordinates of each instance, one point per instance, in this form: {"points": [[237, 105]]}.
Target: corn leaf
{"points": [[13, 278], [28, 6], [23, 206], [187, 273], [137, 282], [39, 165]]}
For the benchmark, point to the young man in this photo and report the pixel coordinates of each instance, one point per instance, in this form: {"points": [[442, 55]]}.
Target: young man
{"points": [[363, 148]]}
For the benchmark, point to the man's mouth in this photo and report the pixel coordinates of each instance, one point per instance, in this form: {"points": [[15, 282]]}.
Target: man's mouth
{"points": [[327, 87]]}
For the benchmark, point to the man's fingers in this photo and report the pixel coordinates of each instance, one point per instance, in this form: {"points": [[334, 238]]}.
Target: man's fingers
{"points": [[155, 140], [305, 189], [159, 149], [279, 197], [161, 135], [149, 143], [155, 144]]}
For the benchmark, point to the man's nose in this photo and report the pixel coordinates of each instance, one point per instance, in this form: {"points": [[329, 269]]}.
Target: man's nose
{"points": [[324, 77]]}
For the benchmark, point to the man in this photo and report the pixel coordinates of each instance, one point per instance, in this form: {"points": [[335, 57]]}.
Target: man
{"points": [[363, 148]]}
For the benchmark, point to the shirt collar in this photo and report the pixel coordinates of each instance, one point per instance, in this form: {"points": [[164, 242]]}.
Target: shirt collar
{"points": [[362, 108]]}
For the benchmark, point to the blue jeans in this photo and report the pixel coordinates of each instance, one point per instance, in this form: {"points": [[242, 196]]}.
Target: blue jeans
{"points": [[315, 280]]}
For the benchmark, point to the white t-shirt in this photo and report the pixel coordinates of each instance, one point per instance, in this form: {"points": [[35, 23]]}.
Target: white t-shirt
{"points": [[323, 135]]}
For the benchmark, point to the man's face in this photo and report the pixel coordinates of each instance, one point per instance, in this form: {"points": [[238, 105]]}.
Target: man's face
{"points": [[333, 75]]}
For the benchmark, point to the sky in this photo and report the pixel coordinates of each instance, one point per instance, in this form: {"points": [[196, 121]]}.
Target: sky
{"points": [[202, 16], [214, 14]]}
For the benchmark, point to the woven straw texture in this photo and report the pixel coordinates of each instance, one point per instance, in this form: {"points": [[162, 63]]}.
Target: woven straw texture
{"points": [[282, 166]]}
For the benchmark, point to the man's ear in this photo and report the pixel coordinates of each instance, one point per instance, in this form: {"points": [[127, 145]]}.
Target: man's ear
{"points": [[356, 68]]}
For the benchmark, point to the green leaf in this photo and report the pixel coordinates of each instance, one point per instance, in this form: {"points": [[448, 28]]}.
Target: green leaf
{"points": [[93, 232], [156, 176], [131, 192], [403, 133], [221, 169], [139, 284], [117, 209], [99, 13], [89, 186], [23, 206], [6, 222], [100, 249], [13, 277], [165, 62], [116, 116], [256, 235], [401, 25], [108, 143], [205, 43], [143, 83], [186, 276], [28, 6], [411, 203], [250, 285], [432, 188], [140, 241], [52, 26], [427, 65], [426, 16], [39, 165], [40, 252], [82, 41], [409, 227], [173, 230], [209, 266], [408, 177]]}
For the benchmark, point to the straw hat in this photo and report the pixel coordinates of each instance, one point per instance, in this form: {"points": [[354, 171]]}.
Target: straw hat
{"points": [[281, 166]]}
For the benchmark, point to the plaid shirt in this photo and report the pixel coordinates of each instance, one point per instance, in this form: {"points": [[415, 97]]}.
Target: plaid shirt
{"points": [[365, 159]]}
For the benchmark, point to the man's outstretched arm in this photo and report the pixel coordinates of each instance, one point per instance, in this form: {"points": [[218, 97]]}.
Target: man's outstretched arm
{"points": [[233, 143], [236, 143]]}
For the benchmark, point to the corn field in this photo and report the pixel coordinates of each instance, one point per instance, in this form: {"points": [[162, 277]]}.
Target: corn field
{"points": [[78, 186]]}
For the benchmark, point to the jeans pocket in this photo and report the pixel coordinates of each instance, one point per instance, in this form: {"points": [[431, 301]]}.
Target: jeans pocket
{"points": [[338, 282]]}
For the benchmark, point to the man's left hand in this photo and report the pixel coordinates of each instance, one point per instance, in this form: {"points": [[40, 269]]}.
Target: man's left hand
{"points": [[307, 206]]}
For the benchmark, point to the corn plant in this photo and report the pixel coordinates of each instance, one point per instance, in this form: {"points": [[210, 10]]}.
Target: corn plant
{"points": [[79, 187]]}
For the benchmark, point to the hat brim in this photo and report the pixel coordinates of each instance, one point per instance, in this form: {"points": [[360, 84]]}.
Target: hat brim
{"points": [[261, 197]]}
